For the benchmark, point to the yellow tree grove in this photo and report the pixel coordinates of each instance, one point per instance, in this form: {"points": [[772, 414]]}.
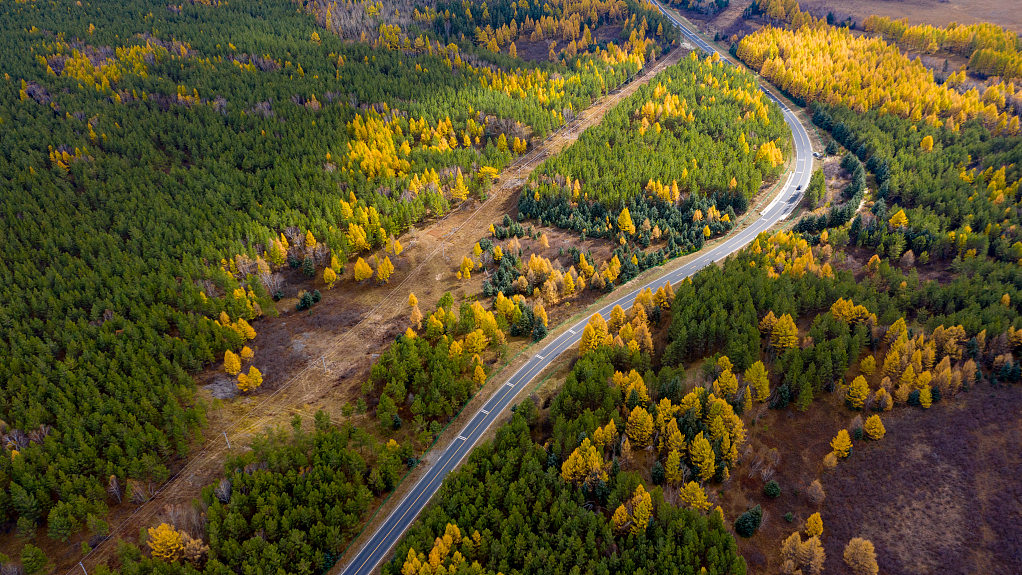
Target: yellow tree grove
{"points": [[250, 381]]}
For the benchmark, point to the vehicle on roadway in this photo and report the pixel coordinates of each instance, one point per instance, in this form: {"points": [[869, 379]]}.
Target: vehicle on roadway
{"points": [[798, 188]]}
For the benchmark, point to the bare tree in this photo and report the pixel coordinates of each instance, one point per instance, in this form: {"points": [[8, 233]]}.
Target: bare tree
{"points": [[113, 487], [223, 491]]}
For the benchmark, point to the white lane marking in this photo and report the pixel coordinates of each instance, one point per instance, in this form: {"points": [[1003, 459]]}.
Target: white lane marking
{"points": [[539, 356], [509, 384], [462, 437], [573, 332], [485, 411]]}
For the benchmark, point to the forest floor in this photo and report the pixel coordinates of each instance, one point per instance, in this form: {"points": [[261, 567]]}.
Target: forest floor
{"points": [[940, 493], [318, 359]]}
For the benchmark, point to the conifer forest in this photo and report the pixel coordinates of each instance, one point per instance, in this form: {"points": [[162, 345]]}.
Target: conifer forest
{"points": [[268, 266]]}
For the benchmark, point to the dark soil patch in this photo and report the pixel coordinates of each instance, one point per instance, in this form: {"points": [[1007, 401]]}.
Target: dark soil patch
{"points": [[940, 493]]}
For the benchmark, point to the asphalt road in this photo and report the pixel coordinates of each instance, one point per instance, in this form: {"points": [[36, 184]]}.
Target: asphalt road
{"points": [[386, 537]]}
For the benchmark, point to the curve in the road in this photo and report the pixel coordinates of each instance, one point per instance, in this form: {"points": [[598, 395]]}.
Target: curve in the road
{"points": [[388, 534]]}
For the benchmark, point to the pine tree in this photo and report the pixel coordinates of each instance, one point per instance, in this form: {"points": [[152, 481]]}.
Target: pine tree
{"points": [[757, 376], [702, 456], [639, 427], [766, 325], [842, 444], [362, 270], [416, 317], [165, 543], [874, 428], [479, 376], [858, 391], [814, 525], [785, 334], [329, 278], [861, 557], [232, 364]]}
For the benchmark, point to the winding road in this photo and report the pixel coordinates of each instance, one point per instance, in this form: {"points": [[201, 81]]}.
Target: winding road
{"points": [[389, 533]]}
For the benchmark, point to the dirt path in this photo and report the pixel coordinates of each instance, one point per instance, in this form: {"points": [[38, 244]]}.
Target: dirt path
{"points": [[333, 359]]}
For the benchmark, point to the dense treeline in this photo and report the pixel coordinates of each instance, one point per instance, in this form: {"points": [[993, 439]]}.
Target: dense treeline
{"points": [[720, 310], [682, 155], [288, 505], [159, 160], [992, 50], [509, 510], [820, 63], [958, 189]]}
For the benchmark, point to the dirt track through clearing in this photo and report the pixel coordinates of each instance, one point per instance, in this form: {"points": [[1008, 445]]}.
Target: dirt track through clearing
{"points": [[458, 228]]}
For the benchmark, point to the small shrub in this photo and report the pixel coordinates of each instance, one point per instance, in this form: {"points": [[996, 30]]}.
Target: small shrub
{"points": [[748, 522], [316, 296], [772, 489], [789, 517]]}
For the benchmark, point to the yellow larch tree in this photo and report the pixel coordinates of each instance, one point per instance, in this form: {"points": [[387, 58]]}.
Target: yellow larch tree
{"points": [[642, 509], [695, 497], [842, 444], [858, 391], [874, 428], [624, 222], [702, 456], [384, 269], [246, 354], [639, 426], [232, 364], [329, 278], [165, 543], [362, 270], [757, 376], [582, 464], [784, 334], [814, 525]]}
